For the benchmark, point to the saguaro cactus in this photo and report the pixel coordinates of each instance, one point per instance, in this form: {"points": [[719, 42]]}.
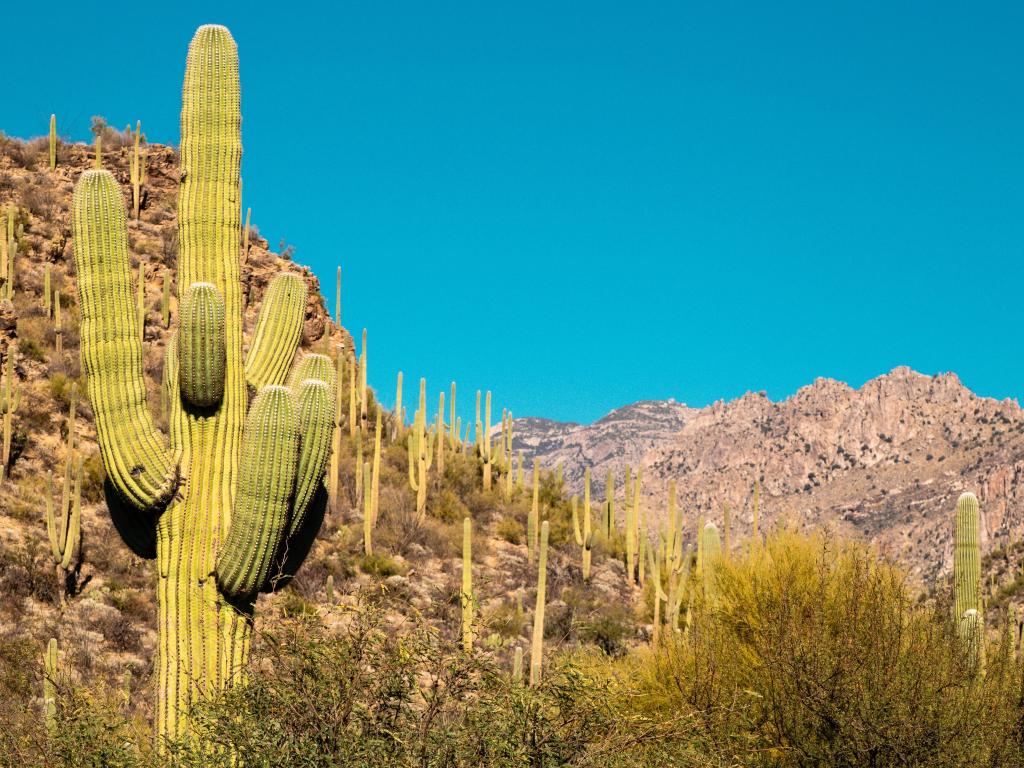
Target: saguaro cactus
{"points": [[533, 521], [967, 560], [63, 525], [466, 596], [10, 399], [421, 453], [216, 504], [537, 646], [712, 553], [53, 142], [50, 669]]}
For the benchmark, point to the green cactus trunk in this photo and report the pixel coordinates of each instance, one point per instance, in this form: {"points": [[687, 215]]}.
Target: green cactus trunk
{"points": [[967, 559], [217, 526], [537, 646], [466, 596]]}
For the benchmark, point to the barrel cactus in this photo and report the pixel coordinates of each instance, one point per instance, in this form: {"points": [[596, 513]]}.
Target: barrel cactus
{"points": [[228, 503]]}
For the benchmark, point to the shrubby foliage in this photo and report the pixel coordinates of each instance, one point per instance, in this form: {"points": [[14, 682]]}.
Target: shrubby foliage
{"points": [[814, 653]]}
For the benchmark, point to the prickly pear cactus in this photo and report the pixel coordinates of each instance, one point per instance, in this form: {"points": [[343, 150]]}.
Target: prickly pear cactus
{"points": [[234, 488]]}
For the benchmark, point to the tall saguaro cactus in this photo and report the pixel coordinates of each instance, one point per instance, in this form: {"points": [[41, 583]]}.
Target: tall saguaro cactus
{"points": [[967, 560], [217, 504], [537, 646]]}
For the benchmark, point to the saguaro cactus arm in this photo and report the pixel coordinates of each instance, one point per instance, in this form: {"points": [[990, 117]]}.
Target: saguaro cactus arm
{"points": [[270, 447], [135, 454], [278, 329]]}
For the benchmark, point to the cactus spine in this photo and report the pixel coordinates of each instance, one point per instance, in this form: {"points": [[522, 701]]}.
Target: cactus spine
{"points": [[967, 558], [53, 142], [217, 500], [537, 646], [467, 597]]}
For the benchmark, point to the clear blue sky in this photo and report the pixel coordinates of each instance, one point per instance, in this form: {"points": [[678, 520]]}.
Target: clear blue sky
{"points": [[579, 205]]}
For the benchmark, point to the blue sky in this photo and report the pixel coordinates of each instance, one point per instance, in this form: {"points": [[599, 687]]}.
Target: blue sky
{"points": [[579, 205]]}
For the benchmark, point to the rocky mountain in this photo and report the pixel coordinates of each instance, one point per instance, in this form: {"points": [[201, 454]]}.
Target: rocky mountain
{"points": [[884, 462]]}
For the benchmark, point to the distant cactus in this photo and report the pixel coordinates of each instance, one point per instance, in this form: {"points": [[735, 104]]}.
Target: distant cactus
{"points": [[10, 400], [375, 471], [453, 419], [135, 171], [329, 589], [537, 646], [609, 503], [53, 142], [485, 444], [218, 498], [711, 555], [467, 597], [58, 325], [364, 467], [47, 289], [967, 559], [421, 453], [335, 460], [50, 672], [337, 288], [397, 413], [533, 521], [245, 235], [63, 525], [439, 429], [517, 665], [657, 593], [165, 300]]}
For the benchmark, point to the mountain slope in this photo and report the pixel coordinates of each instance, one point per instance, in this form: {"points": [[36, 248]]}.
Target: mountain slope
{"points": [[885, 461]]}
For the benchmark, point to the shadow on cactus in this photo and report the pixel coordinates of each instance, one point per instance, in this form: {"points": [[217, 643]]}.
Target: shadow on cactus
{"points": [[228, 503]]}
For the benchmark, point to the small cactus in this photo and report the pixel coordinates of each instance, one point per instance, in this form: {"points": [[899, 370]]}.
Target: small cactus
{"points": [[53, 142], [537, 646], [533, 521], [63, 524], [467, 597], [10, 400], [421, 453], [710, 557], [367, 510], [50, 672]]}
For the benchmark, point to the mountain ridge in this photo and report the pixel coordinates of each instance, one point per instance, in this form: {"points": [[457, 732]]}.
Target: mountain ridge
{"points": [[883, 461]]}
